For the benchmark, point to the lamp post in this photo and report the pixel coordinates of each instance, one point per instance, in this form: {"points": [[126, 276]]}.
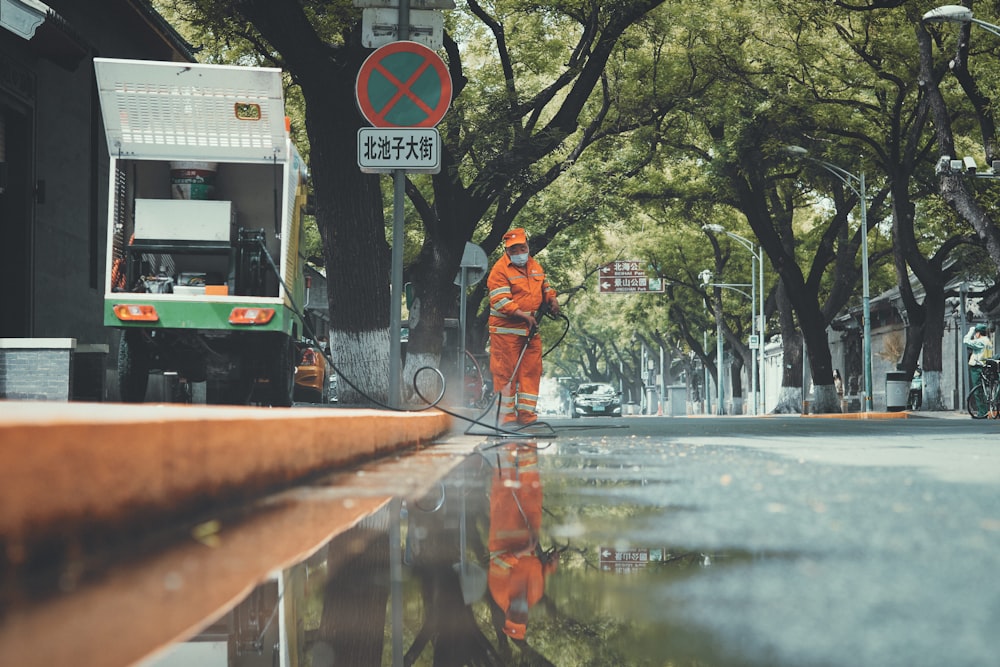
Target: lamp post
{"points": [[756, 255], [706, 279], [849, 179], [958, 14]]}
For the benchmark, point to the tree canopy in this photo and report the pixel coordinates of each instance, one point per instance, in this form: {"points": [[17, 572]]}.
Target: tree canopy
{"points": [[618, 130]]}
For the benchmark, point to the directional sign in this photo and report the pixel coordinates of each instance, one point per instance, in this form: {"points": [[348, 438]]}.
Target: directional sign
{"points": [[384, 150], [628, 559], [626, 276], [403, 84]]}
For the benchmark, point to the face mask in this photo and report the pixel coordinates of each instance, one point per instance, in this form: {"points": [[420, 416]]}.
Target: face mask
{"points": [[520, 259]]}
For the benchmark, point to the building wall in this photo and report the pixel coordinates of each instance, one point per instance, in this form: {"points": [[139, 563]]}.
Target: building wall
{"points": [[56, 208], [884, 339]]}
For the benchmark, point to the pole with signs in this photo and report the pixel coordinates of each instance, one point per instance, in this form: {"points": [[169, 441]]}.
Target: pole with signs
{"points": [[472, 269], [403, 90], [396, 314]]}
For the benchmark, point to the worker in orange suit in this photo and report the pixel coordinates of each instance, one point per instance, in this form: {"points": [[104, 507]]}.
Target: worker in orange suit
{"points": [[518, 288], [518, 567]]}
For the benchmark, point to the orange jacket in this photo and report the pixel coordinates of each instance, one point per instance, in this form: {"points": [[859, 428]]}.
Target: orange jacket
{"points": [[515, 288]]}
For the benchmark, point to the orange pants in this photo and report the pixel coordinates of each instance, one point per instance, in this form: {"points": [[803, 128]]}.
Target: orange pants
{"points": [[518, 393]]}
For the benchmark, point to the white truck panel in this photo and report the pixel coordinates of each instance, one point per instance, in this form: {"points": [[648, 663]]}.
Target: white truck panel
{"points": [[185, 111], [183, 220]]}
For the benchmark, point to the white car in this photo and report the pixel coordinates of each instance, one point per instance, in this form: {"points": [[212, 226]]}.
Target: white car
{"points": [[596, 399]]}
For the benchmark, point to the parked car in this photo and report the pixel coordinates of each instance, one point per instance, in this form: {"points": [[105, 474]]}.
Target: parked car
{"points": [[312, 375], [596, 399]]}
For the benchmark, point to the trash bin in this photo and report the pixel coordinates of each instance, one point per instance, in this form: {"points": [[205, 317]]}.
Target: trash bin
{"points": [[897, 390], [677, 400]]}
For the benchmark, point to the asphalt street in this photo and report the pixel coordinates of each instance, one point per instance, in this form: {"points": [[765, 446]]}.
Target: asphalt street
{"points": [[697, 542], [820, 541]]}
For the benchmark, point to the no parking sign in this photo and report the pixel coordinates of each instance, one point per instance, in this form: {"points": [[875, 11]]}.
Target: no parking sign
{"points": [[403, 84]]}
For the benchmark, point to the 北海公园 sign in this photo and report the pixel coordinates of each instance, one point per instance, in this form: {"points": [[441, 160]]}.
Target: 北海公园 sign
{"points": [[626, 277], [404, 84]]}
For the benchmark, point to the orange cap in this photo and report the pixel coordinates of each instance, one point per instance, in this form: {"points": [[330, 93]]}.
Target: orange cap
{"points": [[515, 236]]}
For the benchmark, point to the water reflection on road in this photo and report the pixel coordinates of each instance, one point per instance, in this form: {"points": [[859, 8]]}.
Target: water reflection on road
{"points": [[673, 542], [516, 557]]}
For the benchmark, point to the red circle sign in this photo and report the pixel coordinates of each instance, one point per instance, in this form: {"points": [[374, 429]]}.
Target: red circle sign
{"points": [[403, 84]]}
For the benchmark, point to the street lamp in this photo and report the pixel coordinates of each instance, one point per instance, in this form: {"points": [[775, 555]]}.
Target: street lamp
{"points": [[756, 256], [958, 14], [706, 279], [849, 179]]}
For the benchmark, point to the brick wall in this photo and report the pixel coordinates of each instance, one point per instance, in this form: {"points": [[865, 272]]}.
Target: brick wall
{"points": [[39, 369]]}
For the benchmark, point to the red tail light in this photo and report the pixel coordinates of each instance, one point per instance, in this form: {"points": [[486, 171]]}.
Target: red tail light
{"points": [[135, 312], [251, 315], [308, 358]]}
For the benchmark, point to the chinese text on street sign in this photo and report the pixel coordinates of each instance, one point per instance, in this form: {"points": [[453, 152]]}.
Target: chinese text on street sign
{"points": [[383, 150], [624, 560], [626, 276]]}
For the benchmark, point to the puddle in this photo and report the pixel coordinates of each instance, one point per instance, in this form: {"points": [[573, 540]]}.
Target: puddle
{"points": [[509, 559], [489, 569]]}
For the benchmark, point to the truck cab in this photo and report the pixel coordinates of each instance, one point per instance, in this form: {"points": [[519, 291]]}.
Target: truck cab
{"points": [[204, 271]]}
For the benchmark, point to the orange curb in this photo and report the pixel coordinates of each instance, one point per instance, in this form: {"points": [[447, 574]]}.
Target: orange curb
{"points": [[78, 465], [861, 415]]}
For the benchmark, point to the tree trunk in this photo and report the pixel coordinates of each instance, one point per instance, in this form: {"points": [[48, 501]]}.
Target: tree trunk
{"points": [[933, 353], [352, 226], [932, 394], [790, 397], [433, 280], [352, 624], [348, 204], [736, 382]]}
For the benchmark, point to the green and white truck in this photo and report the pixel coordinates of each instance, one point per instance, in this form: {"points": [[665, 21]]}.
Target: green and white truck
{"points": [[203, 264]]}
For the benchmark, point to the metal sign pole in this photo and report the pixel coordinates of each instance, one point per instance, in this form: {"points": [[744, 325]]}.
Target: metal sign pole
{"points": [[461, 333], [398, 195], [396, 315]]}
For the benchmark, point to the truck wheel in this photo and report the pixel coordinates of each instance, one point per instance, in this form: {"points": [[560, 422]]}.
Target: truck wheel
{"points": [[282, 377], [133, 367]]}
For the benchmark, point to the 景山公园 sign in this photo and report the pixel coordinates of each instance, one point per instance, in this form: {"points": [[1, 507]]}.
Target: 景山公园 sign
{"points": [[626, 277]]}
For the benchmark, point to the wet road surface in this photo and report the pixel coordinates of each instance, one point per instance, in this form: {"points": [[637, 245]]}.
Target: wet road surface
{"points": [[638, 541]]}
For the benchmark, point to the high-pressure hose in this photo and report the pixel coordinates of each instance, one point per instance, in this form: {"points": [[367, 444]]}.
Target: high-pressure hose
{"points": [[416, 389]]}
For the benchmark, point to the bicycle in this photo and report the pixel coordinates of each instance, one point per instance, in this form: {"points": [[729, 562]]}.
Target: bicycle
{"points": [[984, 399], [478, 382]]}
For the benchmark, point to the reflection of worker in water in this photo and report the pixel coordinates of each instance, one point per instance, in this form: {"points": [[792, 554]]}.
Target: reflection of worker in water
{"points": [[517, 566]]}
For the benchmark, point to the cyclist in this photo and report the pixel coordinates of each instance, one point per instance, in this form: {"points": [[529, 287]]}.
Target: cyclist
{"points": [[978, 341]]}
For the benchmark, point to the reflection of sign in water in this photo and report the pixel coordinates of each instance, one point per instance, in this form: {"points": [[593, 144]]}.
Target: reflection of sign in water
{"points": [[628, 559]]}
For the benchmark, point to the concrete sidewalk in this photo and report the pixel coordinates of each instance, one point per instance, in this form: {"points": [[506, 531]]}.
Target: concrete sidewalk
{"points": [[71, 467], [902, 414]]}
